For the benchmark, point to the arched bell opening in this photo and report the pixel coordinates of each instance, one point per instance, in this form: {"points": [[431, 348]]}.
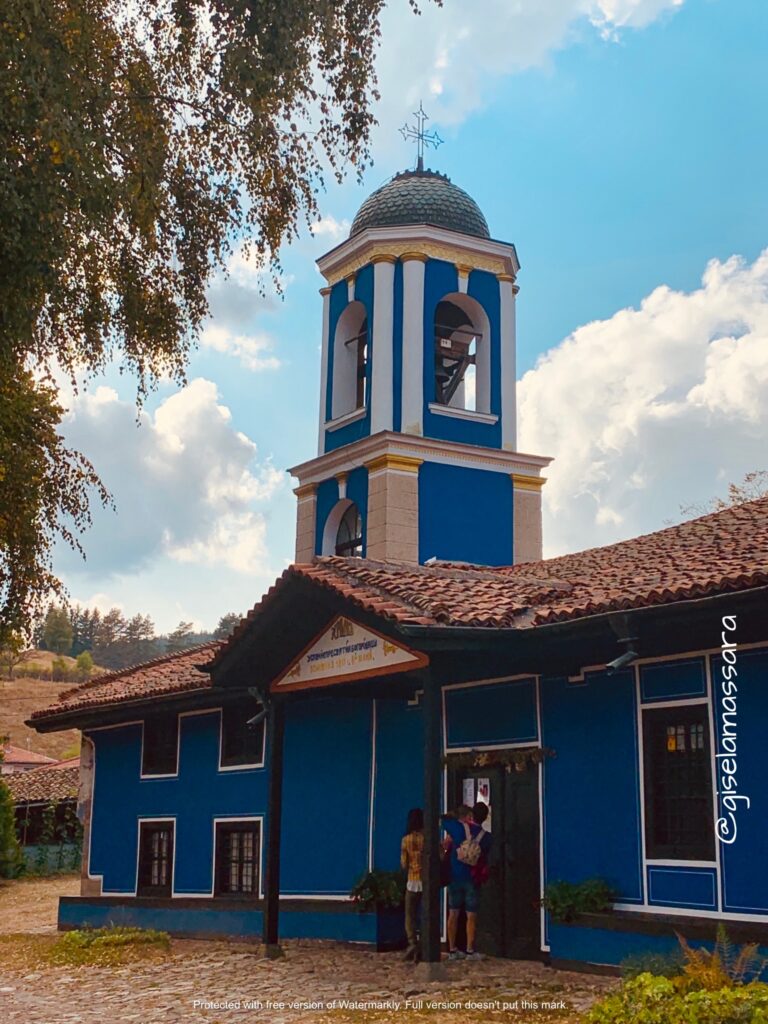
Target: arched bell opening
{"points": [[462, 342], [343, 533], [350, 361]]}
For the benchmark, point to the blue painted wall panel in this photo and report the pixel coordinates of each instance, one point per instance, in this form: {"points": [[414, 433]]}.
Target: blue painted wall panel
{"points": [[745, 879], [399, 776], [694, 888], [484, 288], [673, 680], [465, 514], [493, 714], [397, 350], [591, 792], [198, 794], [327, 497], [326, 793]]}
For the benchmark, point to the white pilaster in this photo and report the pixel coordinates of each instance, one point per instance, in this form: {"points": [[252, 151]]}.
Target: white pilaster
{"points": [[507, 292], [412, 387], [326, 293], [383, 329]]}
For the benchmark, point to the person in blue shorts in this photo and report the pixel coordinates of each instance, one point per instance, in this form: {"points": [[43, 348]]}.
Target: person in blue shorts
{"points": [[463, 890]]}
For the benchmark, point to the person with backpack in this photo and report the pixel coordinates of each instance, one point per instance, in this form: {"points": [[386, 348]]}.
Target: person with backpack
{"points": [[469, 850], [411, 851]]}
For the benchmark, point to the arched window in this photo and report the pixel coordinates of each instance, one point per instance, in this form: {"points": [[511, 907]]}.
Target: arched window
{"points": [[350, 361], [343, 531], [349, 537], [462, 354]]}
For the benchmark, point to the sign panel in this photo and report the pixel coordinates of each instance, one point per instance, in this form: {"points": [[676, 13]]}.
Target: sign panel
{"points": [[346, 651]]}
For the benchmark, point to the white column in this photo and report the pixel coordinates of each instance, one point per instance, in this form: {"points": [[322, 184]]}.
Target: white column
{"points": [[507, 292], [381, 342], [412, 388], [326, 293]]}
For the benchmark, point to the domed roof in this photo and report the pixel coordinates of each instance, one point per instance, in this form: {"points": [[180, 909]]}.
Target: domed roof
{"points": [[421, 197]]}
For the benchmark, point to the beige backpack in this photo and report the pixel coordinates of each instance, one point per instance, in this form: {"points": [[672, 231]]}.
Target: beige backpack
{"points": [[470, 851]]}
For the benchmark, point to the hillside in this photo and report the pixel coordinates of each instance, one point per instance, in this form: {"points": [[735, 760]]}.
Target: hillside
{"points": [[18, 699]]}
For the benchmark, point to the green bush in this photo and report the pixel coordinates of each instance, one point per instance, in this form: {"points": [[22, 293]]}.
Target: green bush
{"points": [[566, 900], [665, 965], [106, 946], [655, 1000], [379, 890]]}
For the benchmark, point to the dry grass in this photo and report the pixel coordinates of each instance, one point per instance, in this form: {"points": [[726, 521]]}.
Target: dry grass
{"points": [[31, 905], [18, 699]]}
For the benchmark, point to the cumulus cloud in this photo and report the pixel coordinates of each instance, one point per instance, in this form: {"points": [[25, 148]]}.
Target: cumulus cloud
{"points": [[653, 409], [450, 56], [330, 228], [186, 483], [253, 350]]}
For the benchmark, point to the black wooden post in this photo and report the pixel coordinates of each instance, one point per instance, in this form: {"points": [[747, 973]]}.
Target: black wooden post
{"points": [[430, 912], [275, 729]]}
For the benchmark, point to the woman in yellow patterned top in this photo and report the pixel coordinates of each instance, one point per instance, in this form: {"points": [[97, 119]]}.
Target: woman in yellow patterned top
{"points": [[411, 850]]}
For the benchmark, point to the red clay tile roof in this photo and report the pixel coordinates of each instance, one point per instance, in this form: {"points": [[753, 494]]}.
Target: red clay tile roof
{"points": [[20, 755], [724, 551], [175, 673], [59, 781]]}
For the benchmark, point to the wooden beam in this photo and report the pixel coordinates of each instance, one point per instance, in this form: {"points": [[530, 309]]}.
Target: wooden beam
{"points": [[275, 735], [430, 917]]}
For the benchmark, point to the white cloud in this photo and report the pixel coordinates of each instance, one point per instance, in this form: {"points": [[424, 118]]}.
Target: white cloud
{"points": [[253, 350], [450, 56], [329, 227], [655, 408], [186, 483]]}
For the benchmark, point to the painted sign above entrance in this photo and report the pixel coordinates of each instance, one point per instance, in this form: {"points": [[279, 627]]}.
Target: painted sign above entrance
{"points": [[346, 651]]}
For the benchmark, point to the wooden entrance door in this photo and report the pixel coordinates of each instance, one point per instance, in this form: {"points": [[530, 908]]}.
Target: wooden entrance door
{"points": [[509, 918]]}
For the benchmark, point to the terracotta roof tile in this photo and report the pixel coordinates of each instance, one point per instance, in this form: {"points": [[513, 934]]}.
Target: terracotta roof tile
{"points": [[175, 673], [59, 781], [20, 755]]}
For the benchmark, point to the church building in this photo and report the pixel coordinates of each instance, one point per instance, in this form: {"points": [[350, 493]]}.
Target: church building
{"points": [[608, 705]]}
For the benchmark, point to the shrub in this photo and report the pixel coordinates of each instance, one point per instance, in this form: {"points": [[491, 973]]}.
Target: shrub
{"points": [[106, 946], [565, 900], [84, 665], [11, 858], [654, 1000], [725, 965], [60, 670], [379, 890]]}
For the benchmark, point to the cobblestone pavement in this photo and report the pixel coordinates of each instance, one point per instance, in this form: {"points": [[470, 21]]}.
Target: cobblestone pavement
{"points": [[182, 985]]}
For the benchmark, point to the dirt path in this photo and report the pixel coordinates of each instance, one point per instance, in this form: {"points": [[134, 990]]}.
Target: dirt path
{"points": [[232, 983]]}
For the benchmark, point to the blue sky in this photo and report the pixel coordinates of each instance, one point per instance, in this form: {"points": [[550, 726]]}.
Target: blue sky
{"points": [[622, 146]]}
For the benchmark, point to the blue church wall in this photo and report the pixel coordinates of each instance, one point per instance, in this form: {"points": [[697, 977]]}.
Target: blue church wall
{"points": [[591, 787], [363, 293], [492, 714], [194, 797], [327, 497], [440, 279], [743, 861], [326, 796], [465, 514], [399, 776], [397, 349]]}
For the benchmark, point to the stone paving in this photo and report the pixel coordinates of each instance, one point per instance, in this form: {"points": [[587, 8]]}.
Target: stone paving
{"points": [[197, 980]]}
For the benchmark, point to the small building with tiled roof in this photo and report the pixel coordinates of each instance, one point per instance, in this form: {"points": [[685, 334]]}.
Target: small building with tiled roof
{"points": [[19, 759], [45, 808], [607, 707]]}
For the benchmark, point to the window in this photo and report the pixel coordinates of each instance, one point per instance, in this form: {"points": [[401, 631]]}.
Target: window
{"points": [[462, 354], [159, 751], [350, 361], [349, 537], [241, 744], [678, 783], [155, 858], [238, 845]]}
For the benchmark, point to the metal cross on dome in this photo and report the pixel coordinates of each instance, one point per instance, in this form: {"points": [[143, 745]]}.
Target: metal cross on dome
{"points": [[420, 136]]}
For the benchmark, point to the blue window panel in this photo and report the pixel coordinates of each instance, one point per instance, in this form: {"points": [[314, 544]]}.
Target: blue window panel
{"points": [[327, 497], [743, 861], [399, 782], [326, 795], [194, 798], [673, 680], [397, 350], [591, 788], [691, 888], [493, 714], [465, 514]]}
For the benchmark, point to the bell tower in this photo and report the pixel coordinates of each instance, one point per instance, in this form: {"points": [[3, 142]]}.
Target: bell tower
{"points": [[417, 437]]}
